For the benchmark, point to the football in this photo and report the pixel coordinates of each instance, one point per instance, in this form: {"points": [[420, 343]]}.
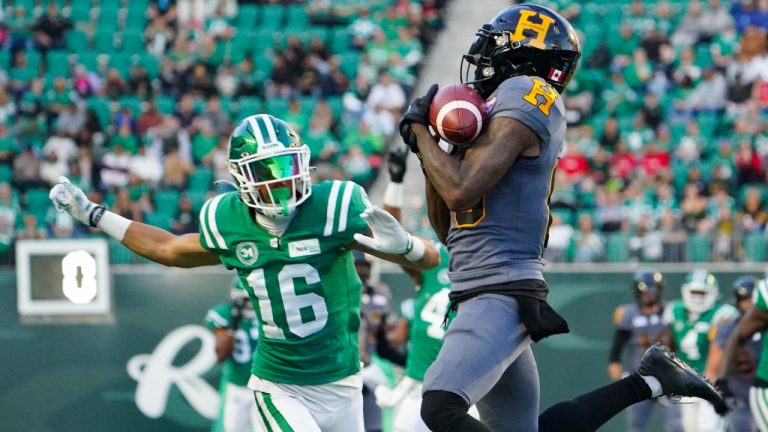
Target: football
{"points": [[457, 114]]}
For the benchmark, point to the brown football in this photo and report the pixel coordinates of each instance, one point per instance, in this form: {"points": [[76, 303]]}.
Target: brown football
{"points": [[457, 114]]}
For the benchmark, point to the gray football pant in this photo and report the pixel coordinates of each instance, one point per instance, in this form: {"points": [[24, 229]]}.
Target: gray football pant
{"points": [[639, 414], [486, 358]]}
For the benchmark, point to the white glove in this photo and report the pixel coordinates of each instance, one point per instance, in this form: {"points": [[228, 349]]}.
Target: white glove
{"points": [[68, 197], [388, 236]]}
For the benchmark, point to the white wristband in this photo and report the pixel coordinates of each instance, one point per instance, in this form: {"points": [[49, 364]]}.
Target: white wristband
{"points": [[417, 251], [393, 195], [114, 225]]}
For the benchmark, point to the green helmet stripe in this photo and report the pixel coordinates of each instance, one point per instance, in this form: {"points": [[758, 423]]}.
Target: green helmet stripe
{"points": [[270, 128], [256, 130]]}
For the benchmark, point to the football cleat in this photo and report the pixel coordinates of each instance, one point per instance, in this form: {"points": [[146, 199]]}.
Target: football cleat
{"points": [[677, 378]]}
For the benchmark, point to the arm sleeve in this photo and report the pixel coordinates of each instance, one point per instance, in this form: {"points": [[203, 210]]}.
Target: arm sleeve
{"points": [[351, 203], [620, 339], [218, 316]]}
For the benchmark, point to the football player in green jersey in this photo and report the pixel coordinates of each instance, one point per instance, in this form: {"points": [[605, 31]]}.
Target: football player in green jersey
{"points": [[755, 321], [234, 325], [691, 321], [289, 241]]}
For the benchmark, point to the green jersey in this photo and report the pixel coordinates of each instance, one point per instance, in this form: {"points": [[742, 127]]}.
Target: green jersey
{"points": [[761, 302], [237, 368], [302, 284], [694, 333], [425, 322]]}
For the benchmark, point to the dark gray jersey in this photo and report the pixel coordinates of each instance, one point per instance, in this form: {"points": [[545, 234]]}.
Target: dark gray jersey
{"points": [[503, 238], [737, 382], [645, 329]]}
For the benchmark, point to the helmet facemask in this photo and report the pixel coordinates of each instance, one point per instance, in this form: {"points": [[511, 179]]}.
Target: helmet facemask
{"points": [[699, 298], [273, 183]]}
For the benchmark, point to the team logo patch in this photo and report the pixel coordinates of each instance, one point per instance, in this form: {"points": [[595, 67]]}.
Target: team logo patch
{"points": [[247, 253], [555, 75], [303, 248]]}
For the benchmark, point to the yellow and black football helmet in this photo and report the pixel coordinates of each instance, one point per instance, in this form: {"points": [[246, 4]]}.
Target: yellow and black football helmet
{"points": [[522, 40]]}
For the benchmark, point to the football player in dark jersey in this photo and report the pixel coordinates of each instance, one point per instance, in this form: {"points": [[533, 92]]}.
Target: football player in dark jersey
{"points": [[490, 207], [638, 326]]}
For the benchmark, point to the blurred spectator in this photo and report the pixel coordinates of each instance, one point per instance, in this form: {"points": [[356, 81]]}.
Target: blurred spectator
{"points": [[114, 167], [710, 93], [31, 229], [10, 213], [356, 166], [20, 26], [693, 208], [749, 167], [204, 142], [148, 119], [8, 146], [70, 120], [673, 238], [139, 82], [7, 107], [176, 169], [687, 32], [610, 137], [714, 20], [588, 244], [26, 170], [752, 216], [146, 167], [185, 221], [560, 236], [49, 29], [126, 208], [219, 120], [610, 211]]}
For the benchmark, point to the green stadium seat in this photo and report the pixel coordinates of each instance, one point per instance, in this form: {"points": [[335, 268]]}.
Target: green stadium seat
{"points": [[296, 16], [272, 17], [89, 60], [616, 249], [201, 179], [197, 198], [58, 63], [349, 64], [150, 62], [80, 4], [132, 102], [247, 17], [119, 254], [101, 107], [6, 173], [38, 201], [79, 14], [133, 41], [160, 219], [165, 104], [5, 59], [103, 41], [276, 105], [248, 106], [754, 247], [699, 248], [76, 40], [166, 201]]}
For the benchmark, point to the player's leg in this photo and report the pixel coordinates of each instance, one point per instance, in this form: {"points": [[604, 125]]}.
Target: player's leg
{"points": [[348, 418], [758, 404], [407, 418], [662, 374], [238, 402], [502, 409], [672, 420], [485, 337], [284, 412], [707, 419], [740, 419], [638, 416]]}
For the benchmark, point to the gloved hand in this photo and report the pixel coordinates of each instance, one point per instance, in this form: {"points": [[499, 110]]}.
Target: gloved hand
{"points": [[396, 164], [729, 398], [387, 235], [68, 197], [418, 112]]}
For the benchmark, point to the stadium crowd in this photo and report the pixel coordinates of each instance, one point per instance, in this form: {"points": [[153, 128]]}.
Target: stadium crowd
{"points": [[134, 100], [667, 146]]}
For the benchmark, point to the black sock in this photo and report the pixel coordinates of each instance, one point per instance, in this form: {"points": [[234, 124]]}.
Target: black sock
{"points": [[591, 410], [444, 411]]}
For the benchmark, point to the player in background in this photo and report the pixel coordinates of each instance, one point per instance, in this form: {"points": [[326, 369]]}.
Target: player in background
{"points": [[235, 327], [638, 326], [373, 310], [755, 321], [690, 322], [736, 381], [290, 242], [490, 207], [421, 318]]}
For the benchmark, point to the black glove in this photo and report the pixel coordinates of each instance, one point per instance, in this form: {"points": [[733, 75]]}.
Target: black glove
{"points": [[729, 399], [418, 112], [396, 165]]}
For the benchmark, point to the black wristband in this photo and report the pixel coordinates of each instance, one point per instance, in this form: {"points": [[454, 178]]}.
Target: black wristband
{"points": [[96, 215]]}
